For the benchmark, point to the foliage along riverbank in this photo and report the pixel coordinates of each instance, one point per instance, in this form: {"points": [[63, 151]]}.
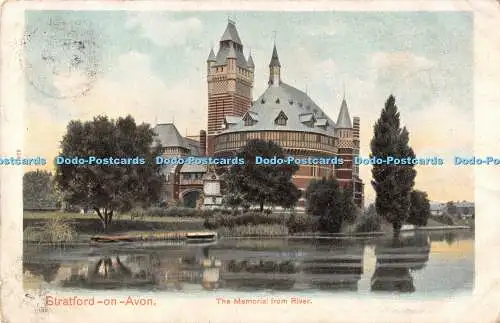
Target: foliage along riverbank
{"points": [[61, 227]]}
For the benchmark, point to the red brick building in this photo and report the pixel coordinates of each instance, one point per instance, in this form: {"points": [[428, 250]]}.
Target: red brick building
{"points": [[283, 114]]}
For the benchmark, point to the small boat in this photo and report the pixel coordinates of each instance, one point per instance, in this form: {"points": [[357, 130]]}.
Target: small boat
{"points": [[191, 237]]}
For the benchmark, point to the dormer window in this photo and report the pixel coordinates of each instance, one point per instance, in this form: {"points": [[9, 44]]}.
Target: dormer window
{"points": [[290, 101], [263, 101], [248, 120], [278, 101], [281, 119]]}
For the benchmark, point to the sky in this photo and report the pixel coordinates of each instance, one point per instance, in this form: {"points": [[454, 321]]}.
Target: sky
{"points": [[152, 65]]}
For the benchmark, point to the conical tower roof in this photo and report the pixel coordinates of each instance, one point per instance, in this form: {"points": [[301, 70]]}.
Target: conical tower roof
{"points": [[344, 119], [275, 61]]}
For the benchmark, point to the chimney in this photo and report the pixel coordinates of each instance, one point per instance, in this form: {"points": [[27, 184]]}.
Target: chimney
{"points": [[203, 143]]}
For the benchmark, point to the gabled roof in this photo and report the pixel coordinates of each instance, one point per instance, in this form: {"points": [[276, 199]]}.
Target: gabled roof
{"points": [[281, 115], [231, 33], [344, 120]]}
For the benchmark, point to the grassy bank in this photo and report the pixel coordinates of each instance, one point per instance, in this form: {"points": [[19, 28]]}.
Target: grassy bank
{"points": [[56, 227], [85, 225]]}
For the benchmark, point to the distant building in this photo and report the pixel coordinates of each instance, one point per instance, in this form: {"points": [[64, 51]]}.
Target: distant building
{"points": [[437, 209], [463, 209]]}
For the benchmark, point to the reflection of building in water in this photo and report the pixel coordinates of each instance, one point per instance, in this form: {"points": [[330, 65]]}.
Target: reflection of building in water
{"points": [[48, 272], [259, 274], [171, 268], [395, 259], [339, 269]]}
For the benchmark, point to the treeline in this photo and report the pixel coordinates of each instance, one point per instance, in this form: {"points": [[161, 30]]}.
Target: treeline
{"points": [[39, 192]]}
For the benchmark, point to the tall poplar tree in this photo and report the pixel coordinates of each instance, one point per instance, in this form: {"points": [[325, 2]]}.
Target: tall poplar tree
{"points": [[393, 184]]}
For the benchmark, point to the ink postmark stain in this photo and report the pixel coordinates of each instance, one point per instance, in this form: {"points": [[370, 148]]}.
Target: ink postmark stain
{"points": [[61, 57]]}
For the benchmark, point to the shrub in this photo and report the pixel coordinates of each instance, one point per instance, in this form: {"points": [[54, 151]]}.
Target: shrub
{"points": [[260, 230], [54, 231], [445, 219], [369, 223], [174, 211], [301, 223], [225, 219]]}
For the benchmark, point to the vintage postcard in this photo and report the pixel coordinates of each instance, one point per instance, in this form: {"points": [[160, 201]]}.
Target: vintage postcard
{"points": [[250, 161]]}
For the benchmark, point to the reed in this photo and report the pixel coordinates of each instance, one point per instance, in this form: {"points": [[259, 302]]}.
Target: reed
{"points": [[54, 231]]}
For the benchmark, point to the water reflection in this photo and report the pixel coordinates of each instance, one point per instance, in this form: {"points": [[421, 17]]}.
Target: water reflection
{"points": [[395, 260], [330, 264]]}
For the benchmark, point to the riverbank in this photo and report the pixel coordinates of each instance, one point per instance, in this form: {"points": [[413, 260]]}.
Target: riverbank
{"points": [[54, 227]]}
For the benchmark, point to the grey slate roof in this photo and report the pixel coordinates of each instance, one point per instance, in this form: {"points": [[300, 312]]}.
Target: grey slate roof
{"points": [[275, 61], [169, 136], [211, 56], [344, 120], [250, 62], [231, 33], [231, 53], [223, 54], [193, 145], [232, 119], [294, 103], [193, 168]]}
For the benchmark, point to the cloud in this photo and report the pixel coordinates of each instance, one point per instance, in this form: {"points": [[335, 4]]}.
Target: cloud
{"points": [[433, 132], [43, 133], [165, 30], [132, 88], [402, 65]]}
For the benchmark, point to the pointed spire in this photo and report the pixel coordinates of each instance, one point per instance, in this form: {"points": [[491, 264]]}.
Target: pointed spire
{"points": [[274, 69], [231, 33], [211, 56], [275, 61], [250, 62], [344, 119]]}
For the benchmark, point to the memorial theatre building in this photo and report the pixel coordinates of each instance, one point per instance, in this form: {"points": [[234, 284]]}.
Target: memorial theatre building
{"points": [[283, 114]]}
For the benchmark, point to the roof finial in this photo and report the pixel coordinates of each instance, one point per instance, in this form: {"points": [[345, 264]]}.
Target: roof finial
{"points": [[274, 37], [156, 120], [231, 21], [343, 89]]}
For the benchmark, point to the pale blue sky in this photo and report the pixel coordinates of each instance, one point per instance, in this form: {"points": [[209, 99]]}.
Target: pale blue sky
{"points": [[153, 64]]}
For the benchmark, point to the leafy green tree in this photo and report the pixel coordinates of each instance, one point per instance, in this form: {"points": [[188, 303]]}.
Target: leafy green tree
{"points": [[39, 192], [334, 206], [420, 209], [110, 188], [349, 208], [371, 210], [451, 208], [261, 184], [392, 183]]}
